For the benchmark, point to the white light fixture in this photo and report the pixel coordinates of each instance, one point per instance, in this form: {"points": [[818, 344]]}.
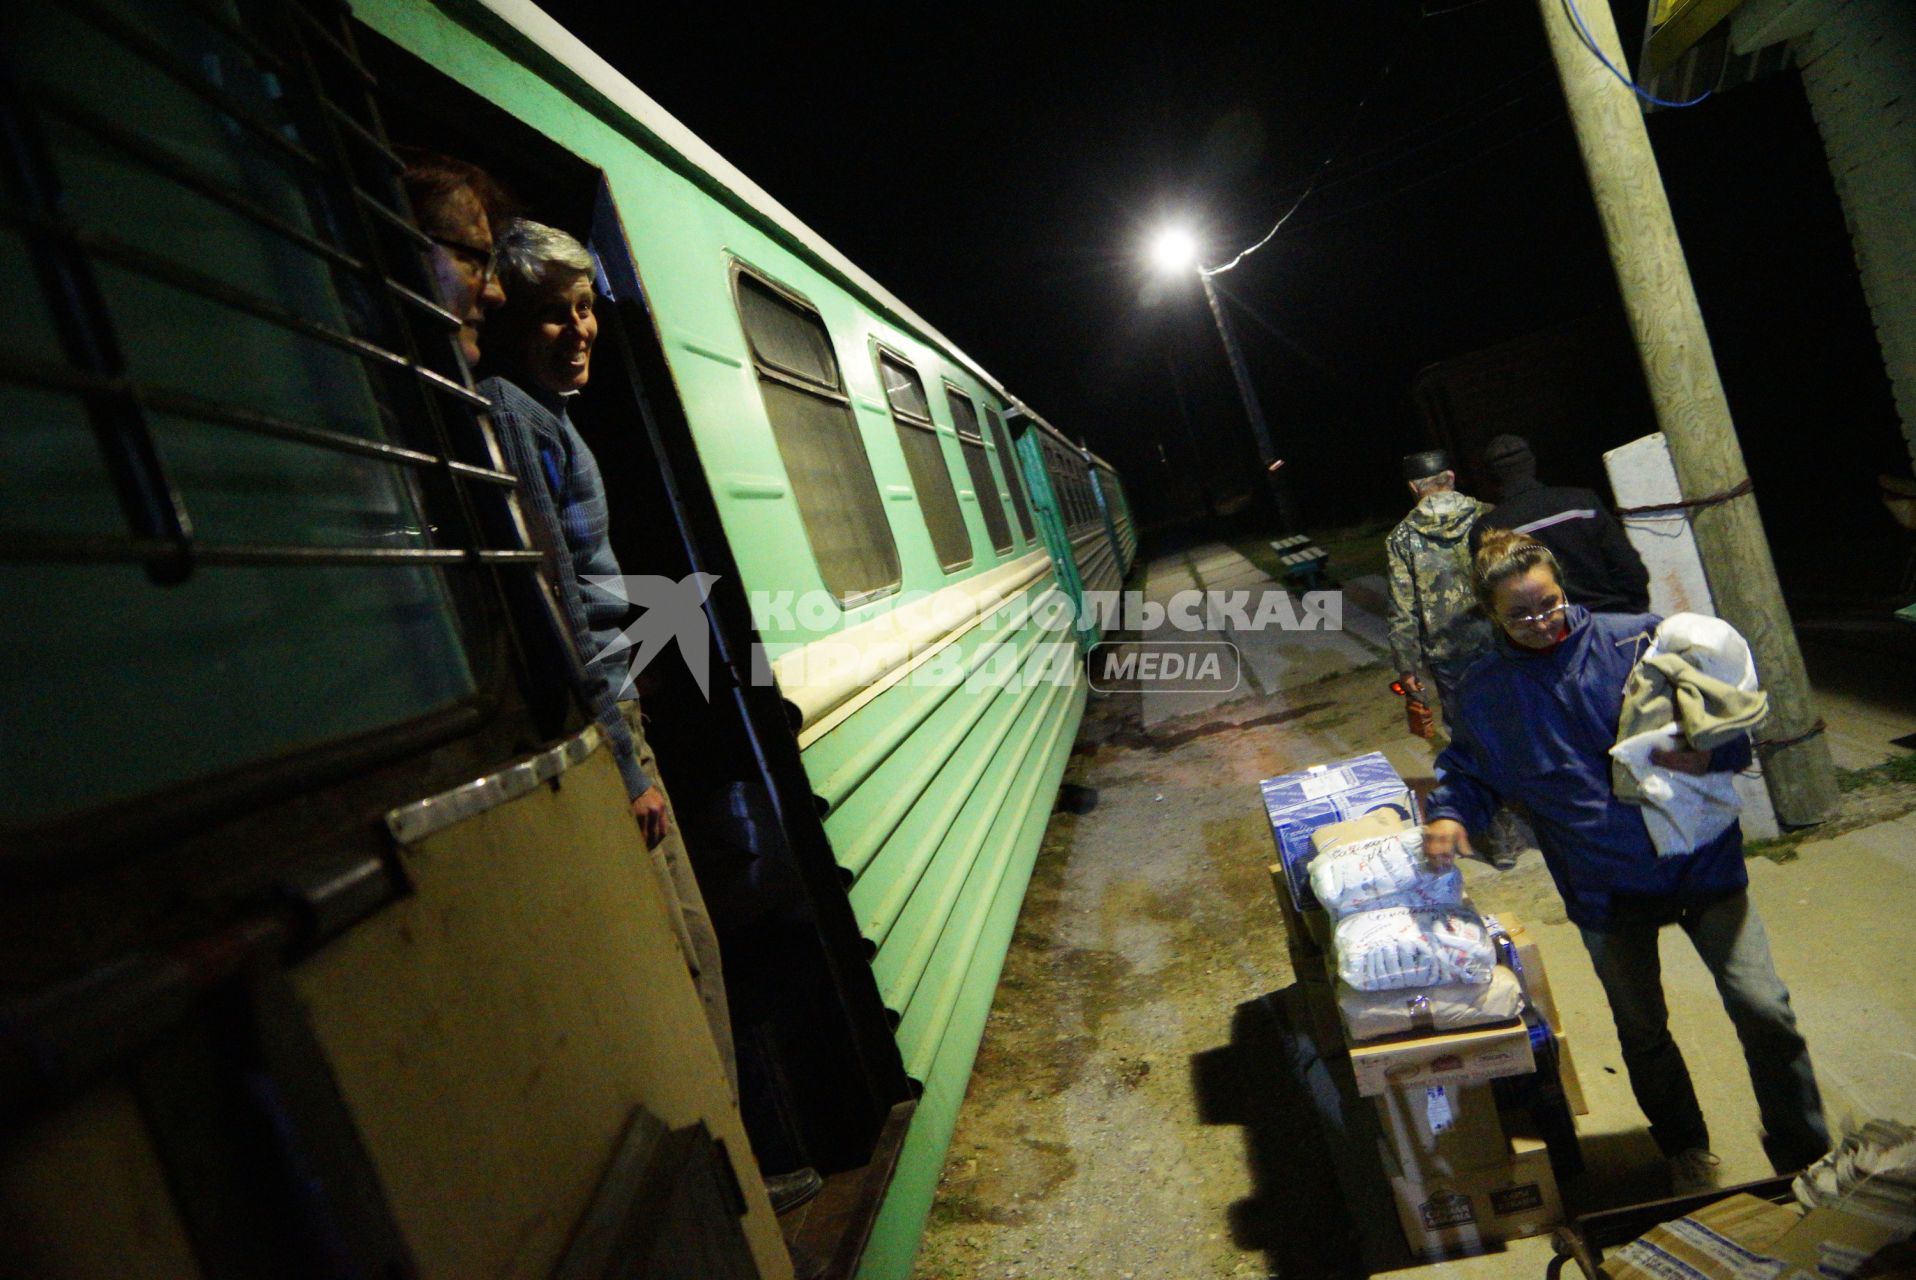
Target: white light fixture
{"points": [[1174, 251]]}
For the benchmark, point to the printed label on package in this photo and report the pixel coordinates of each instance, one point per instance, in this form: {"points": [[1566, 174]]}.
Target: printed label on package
{"points": [[1321, 785], [1516, 1199], [1446, 1209]]}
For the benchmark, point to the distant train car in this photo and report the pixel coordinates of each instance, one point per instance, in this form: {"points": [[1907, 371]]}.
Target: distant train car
{"points": [[1117, 510], [329, 947], [1087, 540]]}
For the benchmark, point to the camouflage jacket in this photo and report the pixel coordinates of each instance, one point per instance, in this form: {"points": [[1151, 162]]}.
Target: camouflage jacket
{"points": [[1434, 618]]}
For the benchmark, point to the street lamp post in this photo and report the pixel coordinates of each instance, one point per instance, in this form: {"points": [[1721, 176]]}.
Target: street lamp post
{"points": [[1176, 251]]}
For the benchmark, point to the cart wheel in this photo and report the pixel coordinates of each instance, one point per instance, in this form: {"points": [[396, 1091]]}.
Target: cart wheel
{"points": [[1570, 1245]]}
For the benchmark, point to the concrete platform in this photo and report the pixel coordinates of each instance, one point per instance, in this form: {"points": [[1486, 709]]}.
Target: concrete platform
{"points": [[1273, 660]]}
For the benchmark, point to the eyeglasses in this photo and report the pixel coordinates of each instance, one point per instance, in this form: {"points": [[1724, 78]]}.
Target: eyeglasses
{"points": [[486, 259], [1536, 619]]}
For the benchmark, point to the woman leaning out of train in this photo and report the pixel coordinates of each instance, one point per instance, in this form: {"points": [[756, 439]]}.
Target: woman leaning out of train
{"points": [[1542, 712]]}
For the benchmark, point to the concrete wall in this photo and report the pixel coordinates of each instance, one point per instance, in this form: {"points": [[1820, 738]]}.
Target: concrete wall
{"points": [[1642, 475], [1858, 62]]}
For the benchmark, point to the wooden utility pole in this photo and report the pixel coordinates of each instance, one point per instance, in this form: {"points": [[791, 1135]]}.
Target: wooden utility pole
{"points": [[1690, 406]]}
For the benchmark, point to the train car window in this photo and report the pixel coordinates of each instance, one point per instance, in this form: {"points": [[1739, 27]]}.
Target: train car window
{"points": [[925, 459], [1061, 464], [234, 527], [991, 503], [818, 440], [1009, 461]]}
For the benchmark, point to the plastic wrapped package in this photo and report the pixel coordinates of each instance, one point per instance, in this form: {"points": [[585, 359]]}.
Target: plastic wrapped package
{"points": [[1400, 947], [1383, 871], [1455, 1006], [1298, 804]]}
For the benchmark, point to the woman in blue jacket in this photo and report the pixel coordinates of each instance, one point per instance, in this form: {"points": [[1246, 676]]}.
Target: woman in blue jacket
{"points": [[1537, 727]]}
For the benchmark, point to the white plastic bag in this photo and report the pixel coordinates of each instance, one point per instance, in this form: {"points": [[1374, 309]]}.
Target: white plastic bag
{"points": [[1383, 871], [1452, 1007], [1397, 947]]}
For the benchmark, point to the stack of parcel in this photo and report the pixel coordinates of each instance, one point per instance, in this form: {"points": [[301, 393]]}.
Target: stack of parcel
{"points": [[1853, 1215], [1443, 1016]]}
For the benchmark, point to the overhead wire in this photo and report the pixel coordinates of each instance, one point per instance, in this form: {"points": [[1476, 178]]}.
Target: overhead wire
{"points": [[1457, 109], [1590, 43], [1350, 176], [1315, 184], [1473, 157], [1350, 127]]}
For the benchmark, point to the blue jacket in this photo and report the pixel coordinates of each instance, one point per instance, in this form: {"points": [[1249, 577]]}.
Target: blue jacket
{"points": [[1538, 727], [563, 491]]}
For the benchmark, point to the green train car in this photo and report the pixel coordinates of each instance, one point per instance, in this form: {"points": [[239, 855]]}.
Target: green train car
{"points": [[328, 946]]}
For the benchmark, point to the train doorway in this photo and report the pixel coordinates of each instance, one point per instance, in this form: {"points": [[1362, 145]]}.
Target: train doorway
{"points": [[820, 1079]]}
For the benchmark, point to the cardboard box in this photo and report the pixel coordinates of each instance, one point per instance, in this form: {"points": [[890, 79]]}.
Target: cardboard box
{"points": [[1536, 976], [1287, 908], [1378, 822], [1442, 1129], [1455, 1057], [1299, 803], [1467, 1212], [1834, 1245], [1567, 1072], [1307, 934], [1732, 1239], [1321, 1022]]}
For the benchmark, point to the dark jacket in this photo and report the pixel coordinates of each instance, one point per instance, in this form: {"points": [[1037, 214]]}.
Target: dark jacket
{"points": [[1538, 727], [1601, 570], [563, 492]]}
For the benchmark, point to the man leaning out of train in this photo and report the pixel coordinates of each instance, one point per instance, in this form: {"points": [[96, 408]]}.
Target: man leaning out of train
{"points": [[539, 352]]}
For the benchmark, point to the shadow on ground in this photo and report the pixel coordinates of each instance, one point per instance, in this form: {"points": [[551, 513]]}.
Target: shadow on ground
{"points": [[1320, 1204]]}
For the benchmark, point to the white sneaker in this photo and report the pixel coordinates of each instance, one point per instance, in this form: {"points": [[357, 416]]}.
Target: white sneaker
{"points": [[1694, 1171]]}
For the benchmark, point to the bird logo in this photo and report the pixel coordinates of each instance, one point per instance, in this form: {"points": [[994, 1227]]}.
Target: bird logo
{"points": [[672, 611]]}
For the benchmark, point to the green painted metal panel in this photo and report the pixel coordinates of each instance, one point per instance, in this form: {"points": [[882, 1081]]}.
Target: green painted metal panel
{"points": [[895, 1237]]}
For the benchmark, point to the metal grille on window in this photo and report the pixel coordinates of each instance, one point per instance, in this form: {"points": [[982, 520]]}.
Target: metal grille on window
{"points": [[241, 452], [1008, 459], [991, 503], [1062, 465], [925, 460], [818, 440]]}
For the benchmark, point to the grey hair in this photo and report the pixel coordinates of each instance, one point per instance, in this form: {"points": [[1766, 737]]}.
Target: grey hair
{"points": [[531, 253], [1435, 484]]}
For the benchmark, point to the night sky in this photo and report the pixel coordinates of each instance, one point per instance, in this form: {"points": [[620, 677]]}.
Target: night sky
{"points": [[1004, 178]]}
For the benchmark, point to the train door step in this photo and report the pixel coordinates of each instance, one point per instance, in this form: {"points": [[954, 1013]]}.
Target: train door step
{"points": [[828, 1234]]}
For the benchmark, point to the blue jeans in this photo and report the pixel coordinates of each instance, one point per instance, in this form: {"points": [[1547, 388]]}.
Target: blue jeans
{"points": [[1729, 935]]}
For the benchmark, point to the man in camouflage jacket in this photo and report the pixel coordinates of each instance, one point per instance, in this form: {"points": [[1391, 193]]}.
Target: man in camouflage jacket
{"points": [[1435, 623]]}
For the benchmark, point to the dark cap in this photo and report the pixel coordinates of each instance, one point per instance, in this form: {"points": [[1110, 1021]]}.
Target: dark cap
{"points": [[1508, 455], [1422, 466]]}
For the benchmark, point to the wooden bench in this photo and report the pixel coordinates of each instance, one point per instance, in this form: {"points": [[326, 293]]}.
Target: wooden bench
{"points": [[1304, 561]]}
